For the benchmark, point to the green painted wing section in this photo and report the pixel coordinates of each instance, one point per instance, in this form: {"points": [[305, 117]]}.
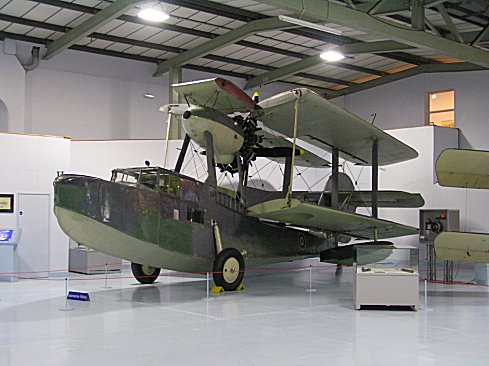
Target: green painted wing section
{"points": [[325, 125], [306, 159], [219, 94], [463, 168], [327, 219], [386, 199], [462, 247]]}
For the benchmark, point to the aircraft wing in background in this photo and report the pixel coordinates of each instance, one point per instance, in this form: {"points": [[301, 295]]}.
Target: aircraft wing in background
{"points": [[463, 168]]}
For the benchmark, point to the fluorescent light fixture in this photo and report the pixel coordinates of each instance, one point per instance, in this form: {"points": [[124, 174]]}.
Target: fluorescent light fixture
{"points": [[153, 15], [310, 25], [332, 56], [149, 96]]}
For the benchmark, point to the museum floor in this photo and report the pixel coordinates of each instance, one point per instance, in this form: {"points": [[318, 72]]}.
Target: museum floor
{"points": [[274, 322]]}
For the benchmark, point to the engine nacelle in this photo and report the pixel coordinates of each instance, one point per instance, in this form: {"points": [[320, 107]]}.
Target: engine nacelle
{"points": [[227, 135]]}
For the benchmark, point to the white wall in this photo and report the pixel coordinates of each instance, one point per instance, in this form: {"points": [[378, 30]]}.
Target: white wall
{"points": [[402, 104], [29, 164]]}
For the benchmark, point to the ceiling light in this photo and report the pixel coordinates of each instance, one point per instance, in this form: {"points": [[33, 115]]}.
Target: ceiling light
{"points": [[149, 96], [332, 56], [433, 96], [153, 15], [310, 25]]}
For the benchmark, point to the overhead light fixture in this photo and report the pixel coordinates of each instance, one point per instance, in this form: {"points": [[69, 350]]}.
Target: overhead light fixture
{"points": [[149, 96], [310, 25], [332, 56], [153, 15]]}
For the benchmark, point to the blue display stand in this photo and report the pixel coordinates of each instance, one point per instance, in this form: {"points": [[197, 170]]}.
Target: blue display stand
{"points": [[9, 259]]}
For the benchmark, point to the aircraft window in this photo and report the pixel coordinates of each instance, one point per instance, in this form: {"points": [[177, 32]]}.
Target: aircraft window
{"points": [[148, 178], [123, 177], [169, 184], [194, 215], [441, 108]]}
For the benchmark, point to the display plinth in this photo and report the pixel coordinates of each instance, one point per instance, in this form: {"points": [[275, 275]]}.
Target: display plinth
{"points": [[89, 261], [394, 281]]}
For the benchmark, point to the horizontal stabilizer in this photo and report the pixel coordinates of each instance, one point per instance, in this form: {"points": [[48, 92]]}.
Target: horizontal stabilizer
{"points": [[386, 199], [462, 247], [345, 255], [327, 219], [463, 168], [218, 94], [327, 126]]}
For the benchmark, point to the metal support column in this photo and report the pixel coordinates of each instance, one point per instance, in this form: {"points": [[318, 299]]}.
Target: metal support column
{"points": [[334, 178], [181, 156], [211, 165], [175, 77], [375, 178], [288, 167]]}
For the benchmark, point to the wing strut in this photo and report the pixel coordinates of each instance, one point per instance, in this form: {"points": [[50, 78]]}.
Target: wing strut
{"points": [[288, 168], [209, 153], [334, 177], [375, 178], [298, 95], [183, 151]]}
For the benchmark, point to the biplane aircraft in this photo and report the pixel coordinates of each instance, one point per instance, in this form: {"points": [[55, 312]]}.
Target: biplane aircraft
{"points": [[464, 169], [159, 218]]}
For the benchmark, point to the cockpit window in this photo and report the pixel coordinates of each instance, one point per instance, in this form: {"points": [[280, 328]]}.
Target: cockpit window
{"points": [[123, 177], [169, 183], [148, 178]]}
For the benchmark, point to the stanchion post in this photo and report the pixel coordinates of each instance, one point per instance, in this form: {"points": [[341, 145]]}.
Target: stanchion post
{"points": [[310, 289], [425, 294], [66, 308], [207, 282], [106, 274]]}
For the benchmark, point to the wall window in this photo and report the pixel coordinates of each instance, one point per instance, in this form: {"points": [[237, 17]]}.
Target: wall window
{"points": [[441, 108]]}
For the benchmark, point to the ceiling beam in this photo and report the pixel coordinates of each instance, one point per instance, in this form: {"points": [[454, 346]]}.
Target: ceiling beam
{"points": [[349, 49], [449, 23], [223, 40], [93, 23], [417, 15], [386, 7], [426, 68], [331, 12], [481, 36]]}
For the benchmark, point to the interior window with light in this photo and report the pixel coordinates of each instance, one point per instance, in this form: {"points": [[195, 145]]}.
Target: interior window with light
{"points": [[441, 108]]}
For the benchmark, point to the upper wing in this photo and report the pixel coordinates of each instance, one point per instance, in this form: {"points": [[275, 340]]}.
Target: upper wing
{"points": [[306, 158], [325, 125], [463, 168], [462, 247], [327, 219], [218, 93]]}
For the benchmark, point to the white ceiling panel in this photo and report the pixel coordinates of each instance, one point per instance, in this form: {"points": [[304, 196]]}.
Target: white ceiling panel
{"points": [[219, 21], [256, 56], [162, 37], [64, 17], [3, 3], [41, 12], [154, 53], [18, 28], [235, 24], [187, 24], [228, 50], [272, 58], [144, 33], [4, 24], [194, 43], [215, 64], [136, 50], [118, 47], [77, 21], [243, 69], [82, 42], [202, 17], [180, 40], [110, 26], [99, 43], [17, 8], [206, 28], [245, 52], [183, 12], [91, 3], [125, 29], [40, 33]]}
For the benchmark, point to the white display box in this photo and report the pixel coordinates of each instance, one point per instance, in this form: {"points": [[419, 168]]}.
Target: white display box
{"points": [[393, 281], [88, 261]]}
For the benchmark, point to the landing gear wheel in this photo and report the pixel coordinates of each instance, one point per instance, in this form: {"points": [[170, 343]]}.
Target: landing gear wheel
{"points": [[145, 274], [228, 270]]}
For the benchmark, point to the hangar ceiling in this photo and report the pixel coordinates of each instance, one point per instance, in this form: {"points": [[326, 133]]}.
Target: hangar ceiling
{"points": [[384, 40]]}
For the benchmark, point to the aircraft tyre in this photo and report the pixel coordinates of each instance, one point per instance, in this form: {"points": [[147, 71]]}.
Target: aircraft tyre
{"points": [[145, 274], [228, 269]]}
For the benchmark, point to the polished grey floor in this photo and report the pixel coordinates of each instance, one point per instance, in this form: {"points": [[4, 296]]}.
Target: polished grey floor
{"points": [[274, 322]]}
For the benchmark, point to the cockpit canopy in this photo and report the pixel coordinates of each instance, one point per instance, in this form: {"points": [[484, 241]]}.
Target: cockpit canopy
{"points": [[151, 177]]}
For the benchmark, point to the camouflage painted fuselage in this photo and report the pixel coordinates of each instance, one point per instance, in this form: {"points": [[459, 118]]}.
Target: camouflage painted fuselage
{"points": [[146, 225]]}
